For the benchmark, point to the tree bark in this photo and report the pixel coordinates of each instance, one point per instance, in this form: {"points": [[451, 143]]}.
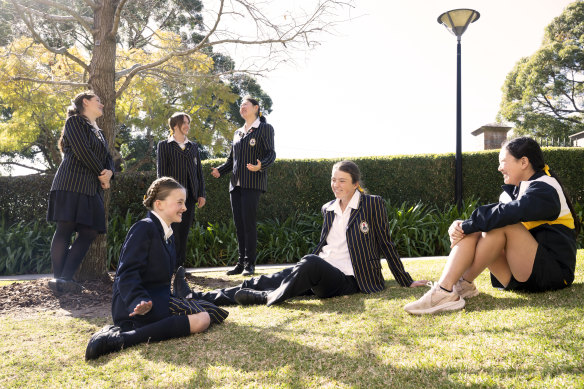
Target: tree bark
{"points": [[102, 71]]}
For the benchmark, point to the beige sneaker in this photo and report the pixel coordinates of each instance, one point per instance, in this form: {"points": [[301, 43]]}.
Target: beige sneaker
{"points": [[435, 300], [466, 289]]}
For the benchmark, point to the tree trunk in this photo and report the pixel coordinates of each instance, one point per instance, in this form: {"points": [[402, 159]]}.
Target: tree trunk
{"points": [[102, 80]]}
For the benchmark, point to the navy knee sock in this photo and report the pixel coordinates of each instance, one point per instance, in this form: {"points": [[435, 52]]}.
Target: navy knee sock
{"points": [[170, 327]]}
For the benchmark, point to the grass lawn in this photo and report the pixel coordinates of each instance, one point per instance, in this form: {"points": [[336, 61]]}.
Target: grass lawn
{"points": [[501, 340]]}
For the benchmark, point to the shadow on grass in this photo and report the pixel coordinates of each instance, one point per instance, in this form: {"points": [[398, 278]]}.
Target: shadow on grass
{"points": [[564, 298], [283, 353], [266, 357]]}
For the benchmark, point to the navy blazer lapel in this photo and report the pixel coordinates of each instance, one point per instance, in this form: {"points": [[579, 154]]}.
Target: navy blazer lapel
{"points": [[355, 212], [186, 153]]}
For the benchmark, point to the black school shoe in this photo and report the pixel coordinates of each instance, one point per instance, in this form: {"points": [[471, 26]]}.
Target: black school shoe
{"points": [[180, 286], [248, 270], [238, 269], [105, 341], [250, 297], [61, 285]]}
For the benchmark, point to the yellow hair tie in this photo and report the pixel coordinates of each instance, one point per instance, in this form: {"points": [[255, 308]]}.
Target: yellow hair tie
{"points": [[145, 197], [546, 169], [359, 188]]}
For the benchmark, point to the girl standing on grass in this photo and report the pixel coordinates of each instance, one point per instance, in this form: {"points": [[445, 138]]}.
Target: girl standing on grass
{"points": [[527, 240], [76, 199], [143, 307], [252, 152], [178, 157]]}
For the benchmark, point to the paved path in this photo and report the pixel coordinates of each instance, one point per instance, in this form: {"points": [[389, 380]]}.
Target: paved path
{"points": [[262, 268]]}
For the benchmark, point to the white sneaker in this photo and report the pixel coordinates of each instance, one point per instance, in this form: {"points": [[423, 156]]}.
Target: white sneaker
{"points": [[435, 300], [466, 289]]}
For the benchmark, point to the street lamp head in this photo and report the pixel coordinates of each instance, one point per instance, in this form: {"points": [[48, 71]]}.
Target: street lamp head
{"points": [[457, 20]]}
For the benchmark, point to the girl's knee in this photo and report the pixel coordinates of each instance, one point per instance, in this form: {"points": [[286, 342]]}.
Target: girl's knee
{"points": [[199, 322], [308, 262]]}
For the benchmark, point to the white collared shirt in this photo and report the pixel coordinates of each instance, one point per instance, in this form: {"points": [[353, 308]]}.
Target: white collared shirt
{"points": [[336, 250], [241, 132], [182, 145], [167, 229]]}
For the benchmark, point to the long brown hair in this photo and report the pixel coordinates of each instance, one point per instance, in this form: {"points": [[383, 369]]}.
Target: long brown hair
{"points": [[76, 108]]}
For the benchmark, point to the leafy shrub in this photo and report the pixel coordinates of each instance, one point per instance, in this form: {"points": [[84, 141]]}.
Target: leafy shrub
{"points": [[24, 247], [417, 230]]}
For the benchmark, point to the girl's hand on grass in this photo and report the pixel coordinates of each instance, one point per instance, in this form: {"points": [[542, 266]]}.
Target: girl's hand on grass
{"points": [[417, 284], [143, 308], [455, 232]]}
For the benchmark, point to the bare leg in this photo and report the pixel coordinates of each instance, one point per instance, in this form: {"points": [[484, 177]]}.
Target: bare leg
{"points": [[506, 251], [199, 322], [460, 259]]}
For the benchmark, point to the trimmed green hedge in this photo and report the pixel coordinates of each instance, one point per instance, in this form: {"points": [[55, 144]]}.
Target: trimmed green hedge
{"points": [[304, 185]]}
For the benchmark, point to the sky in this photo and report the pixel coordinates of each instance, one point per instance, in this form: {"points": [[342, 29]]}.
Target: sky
{"points": [[385, 82]]}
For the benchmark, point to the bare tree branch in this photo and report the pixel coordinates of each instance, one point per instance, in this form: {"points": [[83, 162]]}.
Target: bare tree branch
{"points": [[171, 55], [55, 18], [84, 21], [112, 34], [37, 37], [51, 82], [24, 166]]}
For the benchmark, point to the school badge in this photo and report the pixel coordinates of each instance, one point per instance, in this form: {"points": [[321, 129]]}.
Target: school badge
{"points": [[364, 227], [252, 142]]}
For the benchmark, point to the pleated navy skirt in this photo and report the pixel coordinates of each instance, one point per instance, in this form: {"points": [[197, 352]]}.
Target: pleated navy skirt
{"points": [[77, 207]]}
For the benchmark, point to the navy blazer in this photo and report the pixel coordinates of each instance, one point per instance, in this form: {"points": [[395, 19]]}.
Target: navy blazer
{"points": [[258, 143], [182, 165], [84, 157], [144, 272], [368, 237]]}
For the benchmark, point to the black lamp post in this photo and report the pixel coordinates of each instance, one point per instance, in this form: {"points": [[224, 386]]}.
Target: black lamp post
{"points": [[457, 21]]}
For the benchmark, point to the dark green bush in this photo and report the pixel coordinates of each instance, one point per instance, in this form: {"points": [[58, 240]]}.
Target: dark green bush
{"points": [[304, 185]]}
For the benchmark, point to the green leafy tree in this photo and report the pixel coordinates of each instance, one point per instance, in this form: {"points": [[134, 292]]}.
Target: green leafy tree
{"points": [[88, 36], [544, 94]]}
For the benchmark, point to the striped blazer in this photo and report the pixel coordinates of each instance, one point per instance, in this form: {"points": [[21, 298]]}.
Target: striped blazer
{"points": [[258, 143], [182, 165], [84, 157], [368, 238]]}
